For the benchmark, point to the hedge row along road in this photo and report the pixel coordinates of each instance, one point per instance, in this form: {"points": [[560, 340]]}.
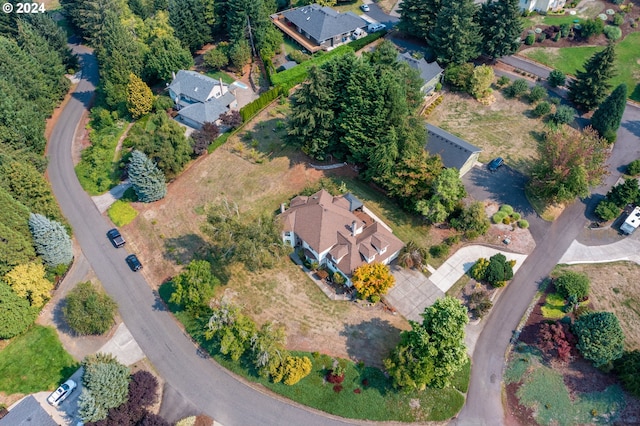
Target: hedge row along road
{"points": [[194, 381]]}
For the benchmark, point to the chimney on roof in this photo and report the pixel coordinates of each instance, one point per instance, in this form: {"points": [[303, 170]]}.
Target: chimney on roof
{"points": [[222, 92], [354, 228], [173, 74], [282, 208]]}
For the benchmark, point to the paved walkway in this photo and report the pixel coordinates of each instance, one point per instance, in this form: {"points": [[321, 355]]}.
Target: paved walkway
{"points": [[414, 292]]}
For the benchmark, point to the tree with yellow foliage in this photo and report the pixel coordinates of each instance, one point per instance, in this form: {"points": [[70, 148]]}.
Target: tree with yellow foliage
{"points": [[28, 282], [372, 279], [139, 97]]}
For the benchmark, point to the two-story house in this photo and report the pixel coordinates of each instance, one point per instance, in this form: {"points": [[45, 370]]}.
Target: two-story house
{"points": [[338, 232]]}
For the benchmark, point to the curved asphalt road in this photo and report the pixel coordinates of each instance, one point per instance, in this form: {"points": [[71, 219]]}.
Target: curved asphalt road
{"points": [[199, 381], [484, 400]]}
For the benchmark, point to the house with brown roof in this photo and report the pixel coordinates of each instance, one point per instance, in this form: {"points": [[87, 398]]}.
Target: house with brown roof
{"points": [[338, 232]]}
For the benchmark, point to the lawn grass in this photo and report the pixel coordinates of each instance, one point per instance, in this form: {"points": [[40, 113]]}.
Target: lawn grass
{"points": [[226, 78], [377, 401], [544, 391], [290, 45], [553, 307], [121, 213], [559, 19], [456, 288], [34, 361], [571, 59], [353, 6]]}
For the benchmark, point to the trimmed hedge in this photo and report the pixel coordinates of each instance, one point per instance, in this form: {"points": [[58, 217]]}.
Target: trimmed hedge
{"points": [[362, 42], [298, 74], [248, 111]]}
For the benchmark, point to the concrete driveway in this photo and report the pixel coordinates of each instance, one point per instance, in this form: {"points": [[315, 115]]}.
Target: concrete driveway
{"points": [[412, 293]]}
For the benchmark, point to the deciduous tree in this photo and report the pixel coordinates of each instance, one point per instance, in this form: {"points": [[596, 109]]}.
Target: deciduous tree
{"points": [[193, 288], [568, 164], [147, 180], [600, 337], [481, 81], [89, 311], [28, 282], [447, 191], [472, 220], [572, 284], [432, 352], [590, 87], [202, 138], [372, 279], [51, 240]]}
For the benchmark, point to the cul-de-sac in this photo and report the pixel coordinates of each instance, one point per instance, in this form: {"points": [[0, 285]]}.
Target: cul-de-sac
{"points": [[319, 212]]}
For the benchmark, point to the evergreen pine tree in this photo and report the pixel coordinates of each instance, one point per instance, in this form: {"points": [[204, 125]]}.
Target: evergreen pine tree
{"points": [[16, 313], [165, 56], [456, 35], [608, 116], [188, 19], [591, 85], [500, 26], [418, 17], [147, 180], [51, 240], [139, 97]]}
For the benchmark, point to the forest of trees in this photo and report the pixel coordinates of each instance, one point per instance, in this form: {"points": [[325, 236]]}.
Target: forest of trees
{"points": [[364, 110], [35, 58]]}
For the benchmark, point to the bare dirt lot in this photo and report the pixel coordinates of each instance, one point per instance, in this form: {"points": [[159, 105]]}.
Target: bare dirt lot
{"points": [[257, 177], [502, 129]]}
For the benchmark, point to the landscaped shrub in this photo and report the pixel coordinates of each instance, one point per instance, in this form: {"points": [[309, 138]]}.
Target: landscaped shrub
{"points": [[613, 33], [607, 210], [121, 213], [537, 93], [600, 337], [531, 38], [298, 56], [296, 369], [523, 223], [338, 278], [556, 78], [16, 313], [618, 19], [298, 74], [251, 109], [564, 30], [570, 283], [517, 88], [633, 168], [499, 216], [515, 216], [472, 221], [591, 27], [503, 81], [479, 303], [506, 220], [89, 311], [506, 208], [543, 108], [458, 76], [499, 270], [479, 269], [564, 114], [370, 38], [439, 250], [452, 240]]}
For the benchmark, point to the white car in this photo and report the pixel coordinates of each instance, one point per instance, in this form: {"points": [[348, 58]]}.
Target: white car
{"points": [[365, 7], [62, 393]]}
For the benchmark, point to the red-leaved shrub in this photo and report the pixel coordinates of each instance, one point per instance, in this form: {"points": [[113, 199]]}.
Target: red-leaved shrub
{"points": [[332, 378], [357, 390], [337, 388]]}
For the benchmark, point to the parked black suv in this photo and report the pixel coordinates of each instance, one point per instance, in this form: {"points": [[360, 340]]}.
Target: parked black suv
{"points": [[116, 239], [133, 262]]}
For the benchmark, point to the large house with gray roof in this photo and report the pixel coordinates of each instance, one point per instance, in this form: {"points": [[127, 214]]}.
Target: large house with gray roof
{"points": [[337, 232], [454, 151], [28, 412], [430, 72], [200, 99], [317, 27]]}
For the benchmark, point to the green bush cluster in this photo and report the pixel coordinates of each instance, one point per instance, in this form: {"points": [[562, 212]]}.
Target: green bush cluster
{"points": [[572, 284], [517, 88], [497, 270], [121, 213], [531, 38], [613, 33], [633, 168], [364, 41], [543, 108], [439, 250], [433, 105], [89, 311]]}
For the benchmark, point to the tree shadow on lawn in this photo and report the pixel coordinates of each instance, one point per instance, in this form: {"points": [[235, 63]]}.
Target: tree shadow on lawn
{"points": [[370, 341], [184, 248]]}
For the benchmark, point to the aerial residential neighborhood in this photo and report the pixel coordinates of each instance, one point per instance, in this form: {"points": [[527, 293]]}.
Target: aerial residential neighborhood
{"points": [[290, 213]]}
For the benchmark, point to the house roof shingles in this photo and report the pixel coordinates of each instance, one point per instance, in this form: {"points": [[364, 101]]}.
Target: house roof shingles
{"points": [[427, 70], [208, 111], [27, 412], [194, 85], [324, 222], [454, 151], [322, 22]]}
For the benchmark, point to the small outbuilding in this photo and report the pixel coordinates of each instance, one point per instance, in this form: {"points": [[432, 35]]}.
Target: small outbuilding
{"points": [[454, 151]]}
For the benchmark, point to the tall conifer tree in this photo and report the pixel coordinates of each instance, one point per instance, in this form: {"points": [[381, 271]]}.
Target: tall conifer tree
{"points": [[608, 116], [456, 35], [590, 87], [500, 26]]}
